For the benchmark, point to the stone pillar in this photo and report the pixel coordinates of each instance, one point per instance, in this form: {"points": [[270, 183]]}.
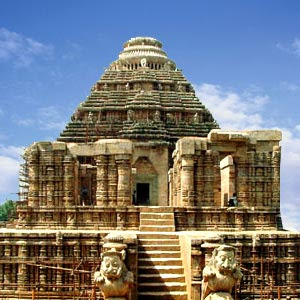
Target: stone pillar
{"points": [[76, 260], [208, 175], [7, 266], [68, 165], [227, 179], [255, 258], [187, 180], [43, 271], [276, 177], [291, 269], [112, 181], [199, 180], [124, 180], [102, 186], [50, 186], [59, 256], [33, 178], [22, 268], [171, 187]]}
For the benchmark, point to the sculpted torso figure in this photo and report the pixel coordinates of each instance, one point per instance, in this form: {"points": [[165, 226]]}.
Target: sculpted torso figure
{"points": [[114, 280], [220, 275]]}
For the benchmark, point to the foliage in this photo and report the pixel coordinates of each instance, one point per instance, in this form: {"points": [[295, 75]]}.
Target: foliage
{"points": [[7, 210]]}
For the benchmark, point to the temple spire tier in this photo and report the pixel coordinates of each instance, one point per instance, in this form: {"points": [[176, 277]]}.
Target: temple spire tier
{"points": [[142, 96]]}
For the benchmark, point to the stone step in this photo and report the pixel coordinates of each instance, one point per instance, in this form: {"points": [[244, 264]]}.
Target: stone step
{"points": [[161, 278], [160, 270], [162, 296], [158, 242], [157, 222], [162, 216], [158, 228], [159, 262], [157, 247], [156, 209], [162, 286], [157, 236], [157, 254]]}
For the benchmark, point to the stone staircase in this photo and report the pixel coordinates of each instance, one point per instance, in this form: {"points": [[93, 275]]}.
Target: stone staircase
{"points": [[160, 270], [157, 218]]}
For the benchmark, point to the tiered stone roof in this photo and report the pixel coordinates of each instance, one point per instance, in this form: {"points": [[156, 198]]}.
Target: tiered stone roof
{"points": [[141, 96]]}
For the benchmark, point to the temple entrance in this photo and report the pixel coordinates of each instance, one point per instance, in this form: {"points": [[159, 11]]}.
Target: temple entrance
{"points": [[143, 193]]}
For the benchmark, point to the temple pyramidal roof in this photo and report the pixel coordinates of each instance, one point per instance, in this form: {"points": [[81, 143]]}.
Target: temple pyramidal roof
{"points": [[142, 96]]}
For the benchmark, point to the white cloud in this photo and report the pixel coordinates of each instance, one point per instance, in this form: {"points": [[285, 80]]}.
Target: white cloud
{"points": [[48, 118], [289, 86], [245, 110], [51, 118], [296, 46], [10, 160], [292, 48], [233, 110], [21, 50]]}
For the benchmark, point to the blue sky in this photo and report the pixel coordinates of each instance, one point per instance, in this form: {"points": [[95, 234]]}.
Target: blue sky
{"points": [[243, 58]]}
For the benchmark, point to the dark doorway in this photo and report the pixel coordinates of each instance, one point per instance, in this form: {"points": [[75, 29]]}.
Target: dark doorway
{"points": [[142, 193]]}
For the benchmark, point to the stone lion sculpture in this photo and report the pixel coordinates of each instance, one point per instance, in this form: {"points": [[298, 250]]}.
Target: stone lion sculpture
{"points": [[114, 280], [220, 275]]}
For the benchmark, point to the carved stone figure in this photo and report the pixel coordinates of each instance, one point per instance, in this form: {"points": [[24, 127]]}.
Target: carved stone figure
{"points": [[143, 62], [170, 118], [157, 116], [130, 115], [114, 280], [196, 118], [220, 275]]}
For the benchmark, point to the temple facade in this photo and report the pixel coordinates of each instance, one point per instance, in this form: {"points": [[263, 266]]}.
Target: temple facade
{"points": [[143, 158]]}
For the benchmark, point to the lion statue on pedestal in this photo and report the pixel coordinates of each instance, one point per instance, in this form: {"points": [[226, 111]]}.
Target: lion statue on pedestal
{"points": [[220, 275], [113, 279]]}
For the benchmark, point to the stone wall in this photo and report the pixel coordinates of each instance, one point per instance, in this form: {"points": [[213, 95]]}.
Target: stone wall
{"points": [[55, 263], [267, 260], [254, 169]]}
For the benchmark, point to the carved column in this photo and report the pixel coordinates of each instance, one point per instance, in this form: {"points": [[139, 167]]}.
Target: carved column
{"points": [[33, 178], [291, 269], [22, 268], [50, 186], [77, 260], [7, 266], [112, 181], [68, 165], [59, 256], [208, 178], [276, 176], [124, 180], [102, 186], [43, 271], [199, 180], [187, 180]]}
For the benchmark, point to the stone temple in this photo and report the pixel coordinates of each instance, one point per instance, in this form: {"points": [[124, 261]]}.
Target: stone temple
{"points": [[144, 161]]}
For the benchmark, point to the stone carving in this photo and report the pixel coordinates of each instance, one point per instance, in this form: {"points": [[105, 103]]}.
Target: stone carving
{"points": [[90, 117], [220, 275], [157, 116], [196, 118], [143, 62], [114, 280], [170, 118], [130, 115]]}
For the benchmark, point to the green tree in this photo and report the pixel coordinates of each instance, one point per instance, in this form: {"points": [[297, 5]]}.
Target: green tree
{"points": [[7, 210]]}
